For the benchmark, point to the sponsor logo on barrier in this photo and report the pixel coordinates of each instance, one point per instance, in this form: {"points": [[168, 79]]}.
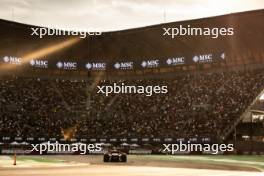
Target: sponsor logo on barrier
{"points": [[123, 65], [12, 60], [150, 63], [96, 66], [176, 61], [203, 58], [67, 65], [39, 63]]}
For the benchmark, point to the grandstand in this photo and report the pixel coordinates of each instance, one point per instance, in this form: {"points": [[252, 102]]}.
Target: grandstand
{"points": [[48, 85]]}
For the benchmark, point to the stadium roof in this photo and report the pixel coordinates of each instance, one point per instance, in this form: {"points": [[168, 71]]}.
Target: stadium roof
{"points": [[110, 15], [145, 42]]}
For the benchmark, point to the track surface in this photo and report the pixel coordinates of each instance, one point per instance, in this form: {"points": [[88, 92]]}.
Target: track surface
{"points": [[134, 167], [98, 170]]}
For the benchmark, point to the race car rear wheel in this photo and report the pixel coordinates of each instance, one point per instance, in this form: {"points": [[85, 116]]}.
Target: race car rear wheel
{"points": [[106, 158], [124, 158]]}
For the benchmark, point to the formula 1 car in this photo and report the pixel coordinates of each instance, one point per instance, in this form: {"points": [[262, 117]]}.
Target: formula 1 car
{"points": [[115, 156]]}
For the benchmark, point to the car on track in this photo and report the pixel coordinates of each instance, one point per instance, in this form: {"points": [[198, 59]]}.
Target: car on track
{"points": [[115, 156]]}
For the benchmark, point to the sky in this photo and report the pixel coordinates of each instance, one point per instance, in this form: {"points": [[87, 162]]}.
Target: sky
{"points": [[112, 15]]}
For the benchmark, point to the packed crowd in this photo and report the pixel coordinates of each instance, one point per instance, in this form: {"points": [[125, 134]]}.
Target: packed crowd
{"points": [[195, 105]]}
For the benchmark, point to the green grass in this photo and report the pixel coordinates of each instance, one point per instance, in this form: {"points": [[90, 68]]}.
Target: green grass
{"points": [[257, 158], [38, 159], [253, 161]]}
